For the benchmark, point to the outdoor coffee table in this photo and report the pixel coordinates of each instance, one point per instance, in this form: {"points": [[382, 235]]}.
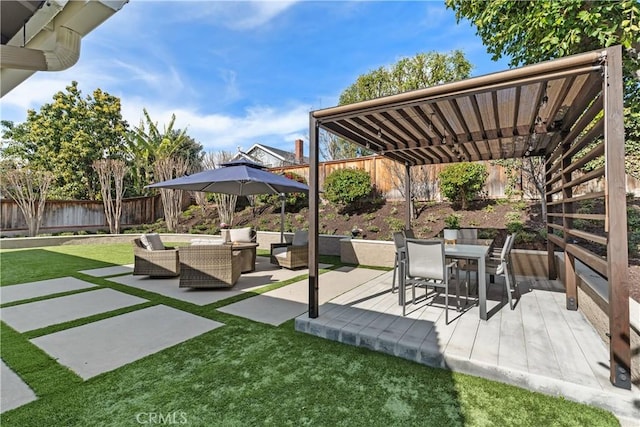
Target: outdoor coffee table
{"points": [[247, 255]]}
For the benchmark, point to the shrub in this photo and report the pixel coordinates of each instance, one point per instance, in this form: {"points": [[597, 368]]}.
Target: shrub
{"points": [[395, 224], [347, 187], [462, 182], [293, 201], [453, 221], [373, 228], [633, 230], [513, 222]]}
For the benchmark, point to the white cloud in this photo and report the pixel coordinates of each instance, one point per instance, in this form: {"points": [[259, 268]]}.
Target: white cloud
{"points": [[273, 125], [237, 15]]}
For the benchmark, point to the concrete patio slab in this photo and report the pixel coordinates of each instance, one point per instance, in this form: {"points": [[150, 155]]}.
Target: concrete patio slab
{"points": [[42, 288], [109, 271], [35, 315], [282, 304], [102, 346], [264, 274], [13, 391]]}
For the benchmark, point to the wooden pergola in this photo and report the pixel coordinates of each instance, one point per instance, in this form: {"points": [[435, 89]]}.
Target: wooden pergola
{"points": [[568, 111]]}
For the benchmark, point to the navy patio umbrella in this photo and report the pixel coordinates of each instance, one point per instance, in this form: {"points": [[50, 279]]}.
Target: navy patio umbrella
{"points": [[239, 177]]}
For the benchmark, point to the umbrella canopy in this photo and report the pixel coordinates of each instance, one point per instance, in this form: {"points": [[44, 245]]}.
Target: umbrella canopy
{"points": [[239, 177]]}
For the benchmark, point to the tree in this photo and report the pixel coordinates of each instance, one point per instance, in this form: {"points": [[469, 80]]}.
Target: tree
{"points": [[28, 187], [535, 31], [225, 203], [334, 148], [461, 182], [66, 136], [111, 170], [167, 168], [147, 144], [418, 72]]}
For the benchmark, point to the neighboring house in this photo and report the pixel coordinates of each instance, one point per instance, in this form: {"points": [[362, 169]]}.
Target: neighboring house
{"points": [[272, 157], [46, 35]]}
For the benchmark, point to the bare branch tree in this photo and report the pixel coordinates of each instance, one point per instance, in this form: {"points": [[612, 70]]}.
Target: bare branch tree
{"points": [[108, 170], [423, 185], [29, 189], [225, 203], [533, 173], [167, 168]]}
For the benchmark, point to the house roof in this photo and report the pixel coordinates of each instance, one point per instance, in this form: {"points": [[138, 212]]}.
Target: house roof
{"points": [[283, 155], [511, 114], [46, 36]]}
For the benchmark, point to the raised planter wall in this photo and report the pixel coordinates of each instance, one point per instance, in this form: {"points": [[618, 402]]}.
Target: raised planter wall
{"points": [[328, 245]]}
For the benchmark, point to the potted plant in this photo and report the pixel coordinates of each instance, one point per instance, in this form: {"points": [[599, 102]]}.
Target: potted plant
{"points": [[452, 225]]}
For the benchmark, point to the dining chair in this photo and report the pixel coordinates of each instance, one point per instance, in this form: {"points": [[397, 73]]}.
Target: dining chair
{"points": [[467, 234], [398, 241], [408, 233], [425, 265], [502, 266]]}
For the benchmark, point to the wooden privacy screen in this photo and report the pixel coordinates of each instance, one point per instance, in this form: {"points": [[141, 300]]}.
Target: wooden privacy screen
{"points": [[590, 225]]}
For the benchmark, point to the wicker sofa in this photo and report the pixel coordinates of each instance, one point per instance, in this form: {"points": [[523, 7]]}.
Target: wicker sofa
{"points": [[155, 263], [293, 254], [209, 266]]}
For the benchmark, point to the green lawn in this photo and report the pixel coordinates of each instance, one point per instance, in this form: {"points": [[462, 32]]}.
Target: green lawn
{"points": [[247, 373]]}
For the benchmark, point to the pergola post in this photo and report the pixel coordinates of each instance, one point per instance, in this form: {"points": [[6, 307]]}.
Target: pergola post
{"points": [[407, 192], [313, 215], [551, 261], [616, 221], [570, 277]]}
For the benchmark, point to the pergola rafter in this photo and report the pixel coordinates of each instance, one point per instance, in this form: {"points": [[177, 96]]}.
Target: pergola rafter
{"points": [[546, 109]]}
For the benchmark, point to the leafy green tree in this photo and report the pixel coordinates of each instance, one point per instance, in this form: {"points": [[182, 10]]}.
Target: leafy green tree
{"points": [[66, 136], [417, 72], [347, 187], [462, 182], [535, 31], [147, 144]]}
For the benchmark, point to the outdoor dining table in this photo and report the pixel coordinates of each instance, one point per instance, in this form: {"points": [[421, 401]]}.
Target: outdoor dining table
{"points": [[472, 249]]}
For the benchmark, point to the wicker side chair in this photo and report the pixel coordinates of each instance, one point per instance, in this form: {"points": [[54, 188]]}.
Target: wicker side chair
{"points": [[161, 263], [293, 254], [209, 266]]}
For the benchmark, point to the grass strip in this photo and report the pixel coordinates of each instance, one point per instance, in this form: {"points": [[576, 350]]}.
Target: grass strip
{"points": [[40, 371], [249, 373]]}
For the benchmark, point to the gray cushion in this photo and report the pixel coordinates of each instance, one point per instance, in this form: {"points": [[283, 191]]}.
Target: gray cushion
{"points": [[152, 242], [300, 238]]}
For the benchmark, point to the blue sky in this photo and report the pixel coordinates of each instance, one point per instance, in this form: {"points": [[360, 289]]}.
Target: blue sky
{"points": [[240, 73]]}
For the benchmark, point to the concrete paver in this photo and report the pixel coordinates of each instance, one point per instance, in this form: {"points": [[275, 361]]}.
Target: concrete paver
{"points": [[277, 306], [102, 346], [109, 271], [13, 391], [35, 315], [264, 274], [42, 288]]}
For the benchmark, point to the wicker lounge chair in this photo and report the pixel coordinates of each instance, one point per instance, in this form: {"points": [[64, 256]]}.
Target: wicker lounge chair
{"points": [[155, 263], [292, 254], [209, 266]]}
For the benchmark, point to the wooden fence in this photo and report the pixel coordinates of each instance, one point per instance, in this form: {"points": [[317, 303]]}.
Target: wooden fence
{"points": [[385, 172], [74, 215], [80, 215]]}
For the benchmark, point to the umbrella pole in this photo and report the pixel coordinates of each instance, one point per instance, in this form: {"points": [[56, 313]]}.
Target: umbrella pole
{"points": [[282, 200]]}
